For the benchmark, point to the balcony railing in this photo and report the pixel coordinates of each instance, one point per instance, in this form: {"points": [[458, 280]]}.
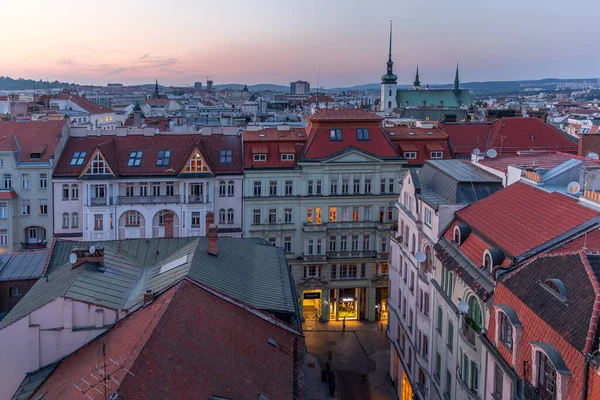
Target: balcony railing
{"points": [[100, 201], [315, 258], [147, 199], [468, 331], [34, 246], [195, 199], [532, 393]]}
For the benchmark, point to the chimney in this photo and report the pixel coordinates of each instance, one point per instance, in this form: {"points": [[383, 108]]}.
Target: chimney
{"points": [[213, 240], [210, 220], [81, 256], [148, 296]]}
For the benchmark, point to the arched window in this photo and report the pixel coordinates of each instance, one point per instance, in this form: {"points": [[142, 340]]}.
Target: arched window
{"points": [[65, 220], [222, 189], [456, 236], [546, 376], [230, 216], [222, 216], [230, 188], [413, 244], [427, 252], [75, 220], [74, 191], [65, 191], [405, 239], [505, 329], [487, 262], [475, 311], [132, 218], [556, 287], [390, 92]]}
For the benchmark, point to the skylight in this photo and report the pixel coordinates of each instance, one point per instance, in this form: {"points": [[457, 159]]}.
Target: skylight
{"points": [[78, 158], [135, 158], [225, 156], [173, 264], [164, 157]]}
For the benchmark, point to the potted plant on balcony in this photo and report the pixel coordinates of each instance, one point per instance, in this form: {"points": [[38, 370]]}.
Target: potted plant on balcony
{"points": [[472, 324], [398, 238]]}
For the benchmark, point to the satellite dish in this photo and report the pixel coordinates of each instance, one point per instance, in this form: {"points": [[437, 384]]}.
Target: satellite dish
{"points": [[156, 131], [593, 155], [73, 258], [463, 307], [574, 187], [420, 256], [491, 153], [313, 105], [477, 152], [92, 249]]}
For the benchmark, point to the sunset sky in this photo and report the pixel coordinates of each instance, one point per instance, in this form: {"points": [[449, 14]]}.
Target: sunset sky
{"points": [[275, 41]]}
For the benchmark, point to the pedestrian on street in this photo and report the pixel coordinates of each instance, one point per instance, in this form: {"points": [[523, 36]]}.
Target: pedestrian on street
{"points": [[316, 314], [344, 324]]}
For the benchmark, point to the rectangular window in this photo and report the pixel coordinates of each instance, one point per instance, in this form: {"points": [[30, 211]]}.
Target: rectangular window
{"points": [[143, 190], [98, 222], [272, 241], [450, 342], [257, 188], [412, 282], [498, 382], [367, 242], [155, 188], [384, 245], [345, 186], [410, 320], [319, 246], [287, 244], [318, 216], [474, 377], [352, 271], [334, 184], [319, 188], [309, 216], [356, 186], [310, 188], [287, 157], [65, 192], [256, 216], [448, 390], [367, 214], [440, 320], [3, 210], [288, 215], [355, 243], [25, 181], [272, 188], [230, 189], [438, 366], [129, 189], [195, 219], [410, 155], [362, 134], [333, 271], [74, 192], [335, 134], [43, 207], [391, 185], [288, 188], [222, 189], [3, 237], [428, 215], [78, 158], [7, 181], [505, 330], [332, 243], [382, 187], [226, 156], [363, 270], [311, 246], [332, 214], [344, 243], [344, 214], [25, 207], [437, 154], [367, 185], [135, 159], [354, 213], [16, 292], [272, 215], [164, 157], [390, 214], [260, 157]]}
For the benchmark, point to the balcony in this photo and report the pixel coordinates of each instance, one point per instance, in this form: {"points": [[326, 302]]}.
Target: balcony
{"points": [[423, 276], [314, 258], [34, 246], [351, 225], [147, 199], [314, 228], [533, 393], [351, 254], [100, 201], [469, 330], [194, 199]]}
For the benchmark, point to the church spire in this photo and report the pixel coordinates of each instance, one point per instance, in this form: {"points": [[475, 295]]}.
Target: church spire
{"points": [[389, 77], [156, 95], [417, 82], [456, 81]]}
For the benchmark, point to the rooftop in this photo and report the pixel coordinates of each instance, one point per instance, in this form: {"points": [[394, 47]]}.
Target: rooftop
{"points": [[22, 266], [25, 139], [344, 115], [525, 159]]}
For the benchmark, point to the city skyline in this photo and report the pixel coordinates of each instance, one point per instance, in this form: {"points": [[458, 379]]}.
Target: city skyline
{"points": [[325, 44]]}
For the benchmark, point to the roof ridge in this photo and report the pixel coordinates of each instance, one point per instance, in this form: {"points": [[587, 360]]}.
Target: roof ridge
{"points": [[591, 335]]}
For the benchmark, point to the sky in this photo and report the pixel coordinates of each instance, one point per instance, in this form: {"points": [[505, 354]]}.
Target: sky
{"points": [[330, 43]]}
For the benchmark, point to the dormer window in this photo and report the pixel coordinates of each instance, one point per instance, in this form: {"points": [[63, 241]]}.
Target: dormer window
{"points": [[460, 233], [437, 154], [410, 155], [135, 159], [492, 258], [362, 134], [335, 134], [78, 158], [456, 235], [196, 164], [556, 287], [98, 166], [506, 330], [287, 157], [164, 157], [260, 157], [487, 262]]}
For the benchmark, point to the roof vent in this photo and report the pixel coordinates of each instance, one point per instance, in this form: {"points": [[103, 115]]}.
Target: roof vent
{"points": [[261, 134], [301, 134], [430, 133], [411, 133], [556, 287], [282, 135], [272, 342]]}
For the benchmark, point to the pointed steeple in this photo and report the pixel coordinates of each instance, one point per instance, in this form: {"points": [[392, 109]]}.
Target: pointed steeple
{"points": [[417, 82], [156, 95], [456, 80], [389, 77]]}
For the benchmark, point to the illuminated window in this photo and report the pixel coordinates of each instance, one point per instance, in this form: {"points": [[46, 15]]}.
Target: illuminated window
{"points": [[332, 214], [354, 213], [309, 215], [100, 119], [196, 164], [98, 166], [318, 216]]}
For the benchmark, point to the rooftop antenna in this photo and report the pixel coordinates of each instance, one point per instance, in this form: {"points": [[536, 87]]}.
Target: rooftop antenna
{"points": [[318, 79]]}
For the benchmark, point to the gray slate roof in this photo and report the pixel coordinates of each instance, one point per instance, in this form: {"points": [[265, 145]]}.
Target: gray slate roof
{"points": [[249, 270], [431, 114], [22, 266], [455, 182], [33, 381]]}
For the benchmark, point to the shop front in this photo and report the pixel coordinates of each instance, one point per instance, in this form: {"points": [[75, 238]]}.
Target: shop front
{"points": [[347, 303], [381, 304], [406, 392], [312, 304]]}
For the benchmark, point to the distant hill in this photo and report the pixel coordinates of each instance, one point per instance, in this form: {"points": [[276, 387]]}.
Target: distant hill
{"points": [[8, 83]]}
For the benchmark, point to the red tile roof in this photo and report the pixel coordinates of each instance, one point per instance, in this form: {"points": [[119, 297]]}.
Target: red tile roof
{"points": [[520, 217], [421, 140], [86, 104], [273, 142], [31, 137], [507, 135], [406, 132], [157, 101], [116, 150], [344, 115], [190, 343], [590, 241], [9, 194], [544, 160]]}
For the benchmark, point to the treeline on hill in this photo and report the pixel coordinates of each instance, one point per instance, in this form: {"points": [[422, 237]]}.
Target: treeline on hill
{"points": [[8, 83]]}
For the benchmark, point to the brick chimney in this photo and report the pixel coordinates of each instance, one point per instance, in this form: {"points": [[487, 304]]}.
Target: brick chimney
{"points": [[588, 143], [210, 220], [84, 255]]}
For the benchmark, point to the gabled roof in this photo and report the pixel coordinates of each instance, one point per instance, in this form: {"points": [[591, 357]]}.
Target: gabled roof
{"points": [[273, 142], [570, 269], [117, 149], [25, 138], [433, 98], [534, 160], [190, 342], [22, 266], [248, 269], [520, 217], [86, 104], [344, 115]]}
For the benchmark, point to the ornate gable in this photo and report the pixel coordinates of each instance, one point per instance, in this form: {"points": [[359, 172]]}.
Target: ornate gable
{"points": [[196, 164], [97, 165]]}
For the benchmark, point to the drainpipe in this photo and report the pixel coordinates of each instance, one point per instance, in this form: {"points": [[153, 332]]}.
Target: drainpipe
{"points": [[586, 367]]}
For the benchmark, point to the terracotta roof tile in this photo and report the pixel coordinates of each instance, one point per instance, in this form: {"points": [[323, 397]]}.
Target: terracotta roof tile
{"points": [[31, 137], [86, 104], [545, 160], [344, 115]]}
